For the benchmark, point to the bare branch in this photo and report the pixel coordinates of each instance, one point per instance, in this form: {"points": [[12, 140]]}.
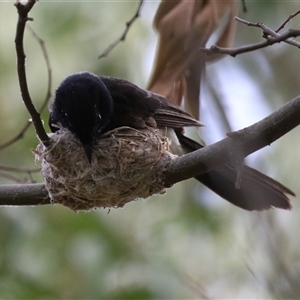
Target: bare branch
{"points": [[287, 20], [49, 70], [17, 137], [272, 37], [23, 10], [268, 33], [242, 142], [235, 51], [216, 100], [244, 6], [6, 172], [14, 178], [124, 34], [22, 132], [19, 170]]}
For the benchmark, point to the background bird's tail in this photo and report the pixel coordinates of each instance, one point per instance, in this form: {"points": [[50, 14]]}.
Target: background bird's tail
{"points": [[256, 191]]}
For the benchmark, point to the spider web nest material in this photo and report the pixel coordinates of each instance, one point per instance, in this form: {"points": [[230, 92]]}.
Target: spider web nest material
{"points": [[127, 164]]}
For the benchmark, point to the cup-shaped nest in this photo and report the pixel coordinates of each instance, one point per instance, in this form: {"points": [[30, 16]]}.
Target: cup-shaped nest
{"points": [[127, 164]]}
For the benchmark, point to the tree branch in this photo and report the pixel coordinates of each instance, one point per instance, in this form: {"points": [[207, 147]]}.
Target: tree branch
{"points": [[124, 34], [238, 144], [22, 132], [48, 67], [23, 10], [287, 20], [272, 37], [269, 34]]}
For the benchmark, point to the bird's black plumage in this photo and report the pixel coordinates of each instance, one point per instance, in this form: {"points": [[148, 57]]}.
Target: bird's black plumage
{"points": [[84, 106], [89, 106]]}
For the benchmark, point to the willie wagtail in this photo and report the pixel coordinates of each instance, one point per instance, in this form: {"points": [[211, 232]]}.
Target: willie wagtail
{"points": [[89, 105]]}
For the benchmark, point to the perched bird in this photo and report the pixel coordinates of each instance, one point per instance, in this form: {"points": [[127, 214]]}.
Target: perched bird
{"points": [[89, 105]]}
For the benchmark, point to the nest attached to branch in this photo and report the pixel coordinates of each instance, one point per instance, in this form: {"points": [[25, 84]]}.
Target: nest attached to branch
{"points": [[127, 164]]}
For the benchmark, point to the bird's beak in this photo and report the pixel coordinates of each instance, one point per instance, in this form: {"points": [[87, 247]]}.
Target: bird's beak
{"points": [[88, 149]]}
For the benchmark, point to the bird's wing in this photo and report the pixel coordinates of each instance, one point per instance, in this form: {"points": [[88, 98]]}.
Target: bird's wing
{"points": [[138, 108]]}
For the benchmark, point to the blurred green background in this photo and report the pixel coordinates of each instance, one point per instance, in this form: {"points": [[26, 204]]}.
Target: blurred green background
{"points": [[188, 244]]}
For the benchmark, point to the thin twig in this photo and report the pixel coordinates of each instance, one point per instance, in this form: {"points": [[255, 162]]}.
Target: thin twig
{"points": [[49, 70], [248, 48], [5, 171], [216, 97], [244, 6], [287, 20], [19, 170], [13, 178], [268, 33], [23, 10], [17, 137], [272, 37], [194, 285], [22, 132], [124, 34]]}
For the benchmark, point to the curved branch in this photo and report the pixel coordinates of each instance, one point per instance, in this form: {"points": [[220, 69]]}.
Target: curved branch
{"points": [[287, 20], [238, 144], [23, 10], [22, 132], [124, 34], [48, 67], [17, 137]]}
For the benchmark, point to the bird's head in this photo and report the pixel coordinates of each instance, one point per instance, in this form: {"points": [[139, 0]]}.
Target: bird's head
{"points": [[83, 105]]}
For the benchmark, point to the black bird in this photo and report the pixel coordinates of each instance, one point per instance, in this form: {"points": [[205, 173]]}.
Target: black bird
{"points": [[89, 106]]}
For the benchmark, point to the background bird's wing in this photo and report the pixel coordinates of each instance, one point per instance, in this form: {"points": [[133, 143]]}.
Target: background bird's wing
{"points": [[139, 108]]}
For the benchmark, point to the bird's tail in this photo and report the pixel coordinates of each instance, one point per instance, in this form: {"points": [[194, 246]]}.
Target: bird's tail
{"points": [[256, 191]]}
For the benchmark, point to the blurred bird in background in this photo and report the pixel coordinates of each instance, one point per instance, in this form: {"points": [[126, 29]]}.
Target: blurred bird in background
{"points": [[184, 27]]}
